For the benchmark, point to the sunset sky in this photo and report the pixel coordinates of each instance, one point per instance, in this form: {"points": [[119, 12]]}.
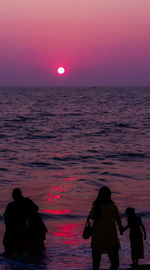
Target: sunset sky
{"points": [[98, 42]]}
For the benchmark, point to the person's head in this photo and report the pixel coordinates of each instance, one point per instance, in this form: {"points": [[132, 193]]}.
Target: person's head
{"points": [[130, 212], [104, 194], [17, 194]]}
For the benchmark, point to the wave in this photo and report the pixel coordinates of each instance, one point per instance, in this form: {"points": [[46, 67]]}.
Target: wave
{"points": [[44, 165], [62, 216], [48, 114], [19, 119], [123, 125], [144, 214], [124, 156], [118, 175], [3, 169], [39, 137], [3, 136]]}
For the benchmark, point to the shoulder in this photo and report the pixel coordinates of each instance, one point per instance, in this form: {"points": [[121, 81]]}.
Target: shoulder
{"points": [[109, 207], [113, 205], [29, 203], [115, 210], [10, 208], [10, 205], [27, 200]]}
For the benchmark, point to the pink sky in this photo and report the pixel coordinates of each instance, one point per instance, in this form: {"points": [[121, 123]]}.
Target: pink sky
{"points": [[100, 42]]}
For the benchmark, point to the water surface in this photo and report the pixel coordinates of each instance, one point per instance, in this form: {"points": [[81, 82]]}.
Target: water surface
{"points": [[60, 145]]}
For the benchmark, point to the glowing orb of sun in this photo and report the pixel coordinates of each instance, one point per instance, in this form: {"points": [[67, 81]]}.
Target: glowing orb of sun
{"points": [[60, 70]]}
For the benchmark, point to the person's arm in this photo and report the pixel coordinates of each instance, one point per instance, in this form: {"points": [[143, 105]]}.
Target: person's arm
{"points": [[92, 213], [7, 212], [126, 227], [143, 228], [91, 216], [118, 219]]}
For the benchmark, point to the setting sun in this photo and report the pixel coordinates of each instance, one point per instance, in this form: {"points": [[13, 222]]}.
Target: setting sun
{"points": [[61, 70]]}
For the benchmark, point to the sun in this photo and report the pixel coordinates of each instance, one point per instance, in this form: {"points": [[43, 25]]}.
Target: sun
{"points": [[60, 70]]}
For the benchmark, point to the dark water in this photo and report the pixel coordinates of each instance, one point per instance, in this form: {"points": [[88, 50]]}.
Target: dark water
{"points": [[60, 145]]}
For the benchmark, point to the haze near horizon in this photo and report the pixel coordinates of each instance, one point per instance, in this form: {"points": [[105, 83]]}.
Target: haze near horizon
{"points": [[97, 42]]}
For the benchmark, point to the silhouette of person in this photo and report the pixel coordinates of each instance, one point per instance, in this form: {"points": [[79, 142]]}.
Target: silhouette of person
{"points": [[36, 234], [137, 230], [104, 215], [16, 216]]}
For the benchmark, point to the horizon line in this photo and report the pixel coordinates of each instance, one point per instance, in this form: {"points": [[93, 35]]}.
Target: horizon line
{"points": [[72, 86]]}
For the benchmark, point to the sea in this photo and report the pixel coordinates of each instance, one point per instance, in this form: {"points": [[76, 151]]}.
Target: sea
{"points": [[60, 145]]}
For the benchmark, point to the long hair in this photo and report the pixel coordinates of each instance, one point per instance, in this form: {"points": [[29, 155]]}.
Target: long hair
{"points": [[104, 196]]}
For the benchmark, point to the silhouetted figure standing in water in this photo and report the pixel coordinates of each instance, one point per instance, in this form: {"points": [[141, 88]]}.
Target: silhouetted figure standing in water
{"points": [[137, 230], [104, 215], [16, 217], [36, 234]]}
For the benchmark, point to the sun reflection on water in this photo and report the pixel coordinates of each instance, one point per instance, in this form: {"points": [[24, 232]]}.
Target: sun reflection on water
{"points": [[57, 212], [68, 234]]}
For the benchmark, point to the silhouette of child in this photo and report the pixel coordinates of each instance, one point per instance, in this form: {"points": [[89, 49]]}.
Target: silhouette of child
{"points": [[137, 230]]}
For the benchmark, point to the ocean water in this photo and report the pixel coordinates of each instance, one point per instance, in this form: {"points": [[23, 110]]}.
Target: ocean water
{"points": [[60, 145]]}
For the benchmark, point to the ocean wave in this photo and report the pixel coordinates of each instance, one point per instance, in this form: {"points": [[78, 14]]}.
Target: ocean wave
{"points": [[19, 119], [118, 175], [123, 125], [144, 214], [61, 216], [39, 137], [44, 165], [69, 158], [5, 182], [2, 136], [48, 114], [127, 156], [3, 169]]}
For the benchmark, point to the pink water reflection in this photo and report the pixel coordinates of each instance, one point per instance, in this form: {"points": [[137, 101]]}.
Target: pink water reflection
{"points": [[62, 154], [53, 197], [57, 212], [72, 178], [68, 234], [55, 194], [59, 189]]}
